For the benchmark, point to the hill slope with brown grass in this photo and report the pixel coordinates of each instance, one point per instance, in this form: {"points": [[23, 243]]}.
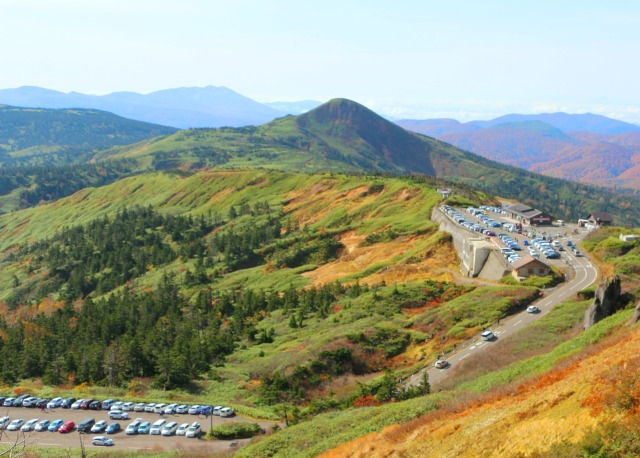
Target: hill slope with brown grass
{"points": [[561, 413]]}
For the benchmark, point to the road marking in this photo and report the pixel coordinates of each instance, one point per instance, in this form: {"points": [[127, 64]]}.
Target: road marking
{"points": [[516, 324], [465, 356]]}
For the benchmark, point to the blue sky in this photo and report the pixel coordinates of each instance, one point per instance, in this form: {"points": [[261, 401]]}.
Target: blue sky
{"points": [[409, 58]]}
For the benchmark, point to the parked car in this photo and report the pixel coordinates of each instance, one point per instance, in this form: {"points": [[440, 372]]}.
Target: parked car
{"points": [[216, 410], [86, 425], [20, 399], [107, 403], [118, 415], [533, 309], [41, 403], [441, 364], [86, 403], [487, 335], [42, 425], [66, 404], [4, 421], [54, 403], [30, 425], [132, 428], [15, 424], [95, 405], [102, 441], [30, 401], [149, 407], [76, 404], [193, 410], [128, 406], [227, 412], [139, 407], [182, 429], [144, 427], [158, 408], [55, 425], [182, 408], [169, 429], [194, 430], [157, 426], [170, 409], [99, 427], [113, 428], [8, 402], [68, 426], [118, 406]]}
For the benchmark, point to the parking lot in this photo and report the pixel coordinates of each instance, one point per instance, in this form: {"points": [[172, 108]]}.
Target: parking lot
{"points": [[562, 235], [121, 440]]}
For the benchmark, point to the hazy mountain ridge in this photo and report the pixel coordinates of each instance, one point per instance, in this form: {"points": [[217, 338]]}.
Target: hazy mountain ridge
{"points": [[209, 106], [584, 148]]}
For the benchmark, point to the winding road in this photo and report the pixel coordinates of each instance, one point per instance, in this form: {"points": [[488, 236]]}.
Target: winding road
{"points": [[585, 274]]}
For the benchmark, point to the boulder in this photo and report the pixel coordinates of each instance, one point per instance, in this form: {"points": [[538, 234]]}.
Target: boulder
{"points": [[636, 314], [605, 303]]}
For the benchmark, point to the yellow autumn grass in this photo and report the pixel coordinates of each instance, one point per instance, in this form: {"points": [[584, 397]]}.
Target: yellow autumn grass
{"points": [[551, 409]]}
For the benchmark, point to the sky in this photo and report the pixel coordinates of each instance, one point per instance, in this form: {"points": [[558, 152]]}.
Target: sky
{"points": [[461, 59]]}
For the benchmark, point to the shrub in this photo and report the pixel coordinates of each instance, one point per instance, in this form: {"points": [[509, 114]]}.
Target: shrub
{"points": [[234, 430]]}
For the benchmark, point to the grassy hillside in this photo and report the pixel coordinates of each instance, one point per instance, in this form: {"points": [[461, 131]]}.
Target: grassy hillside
{"points": [[345, 137], [36, 136]]}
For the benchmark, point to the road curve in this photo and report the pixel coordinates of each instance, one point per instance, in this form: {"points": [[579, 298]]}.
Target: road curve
{"points": [[585, 275]]}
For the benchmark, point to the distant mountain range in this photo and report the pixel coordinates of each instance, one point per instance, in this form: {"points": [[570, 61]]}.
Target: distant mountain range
{"points": [[182, 107], [578, 147]]}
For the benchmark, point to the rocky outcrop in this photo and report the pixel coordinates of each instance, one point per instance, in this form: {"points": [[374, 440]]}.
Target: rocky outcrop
{"points": [[605, 303], [636, 315]]}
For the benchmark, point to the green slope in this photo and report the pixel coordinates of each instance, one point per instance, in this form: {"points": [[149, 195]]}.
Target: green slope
{"points": [[48, 136], [343, 136]]}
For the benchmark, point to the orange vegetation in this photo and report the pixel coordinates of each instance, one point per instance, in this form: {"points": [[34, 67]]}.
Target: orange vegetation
{"points": [[562, 405]]}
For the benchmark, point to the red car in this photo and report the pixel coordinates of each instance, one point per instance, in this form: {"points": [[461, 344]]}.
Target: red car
{"points": [[67, 427], [86, 403]]}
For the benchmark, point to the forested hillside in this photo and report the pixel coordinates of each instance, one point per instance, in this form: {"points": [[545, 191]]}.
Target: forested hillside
{"points": [[38, 136]]}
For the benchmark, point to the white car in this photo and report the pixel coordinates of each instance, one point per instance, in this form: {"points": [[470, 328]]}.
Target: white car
{"points": [[441, 364], [139, 407], [30, 425], [29, 401], [99, 427], [159, 408], [157, 426], [76, 405], [118, 415], [149, 407], [55, 403], [42, 425], [169, 429], [182, 429], [102, 440], [4, 421], [117, 406], [216, 410], [194, 409], [194, 430], [133, 426], [128, 406], [15, 424], [533, 309], [227, 412], [487, 335], [170, 409]]}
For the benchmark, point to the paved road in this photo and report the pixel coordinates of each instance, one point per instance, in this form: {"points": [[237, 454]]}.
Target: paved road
{"points": [[584, 275]]}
